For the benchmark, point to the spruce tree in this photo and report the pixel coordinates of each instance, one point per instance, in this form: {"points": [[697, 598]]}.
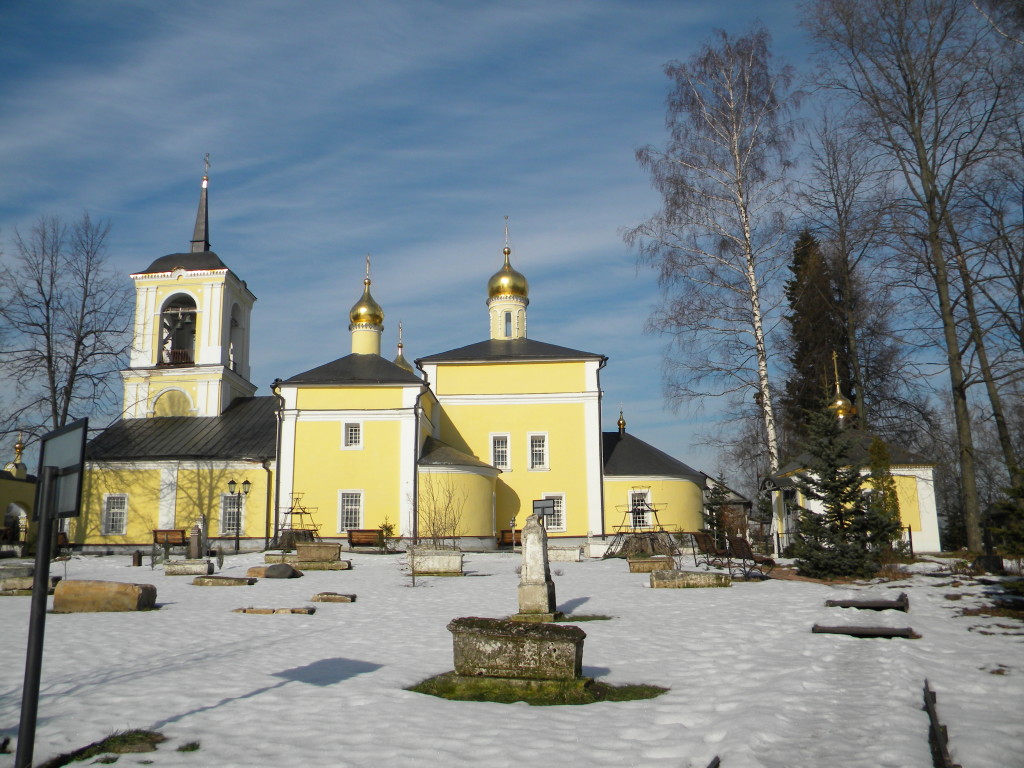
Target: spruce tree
{"points": [[832, 541], [715, 509]]}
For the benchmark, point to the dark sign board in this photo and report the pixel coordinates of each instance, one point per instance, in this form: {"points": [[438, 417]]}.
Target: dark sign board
{"points": [[64, 449], [543, 507]]}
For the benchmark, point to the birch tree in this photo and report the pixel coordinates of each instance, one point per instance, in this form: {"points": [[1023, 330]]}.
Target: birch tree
{"points": [[718, 241]]}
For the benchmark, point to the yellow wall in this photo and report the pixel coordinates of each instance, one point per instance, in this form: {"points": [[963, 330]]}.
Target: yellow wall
{"points": [[463, 498], [677, 502], [322, 468], [510, 378], [910, 508], [329, 398], [469, 427], [198, 492]]}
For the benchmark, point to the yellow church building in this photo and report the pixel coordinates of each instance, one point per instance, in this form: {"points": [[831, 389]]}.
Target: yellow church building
{"points": [[457, 447]]}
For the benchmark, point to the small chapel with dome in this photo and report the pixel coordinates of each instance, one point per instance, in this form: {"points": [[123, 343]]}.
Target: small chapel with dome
{"points": [[461, 443]]}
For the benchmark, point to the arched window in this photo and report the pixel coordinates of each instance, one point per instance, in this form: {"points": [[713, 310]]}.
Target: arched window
{"points": [[508, 325], [236, 344], [178, 332]]}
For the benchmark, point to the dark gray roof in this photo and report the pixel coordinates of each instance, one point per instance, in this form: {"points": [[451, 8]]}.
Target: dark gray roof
{"points": [[355, 368], [438, 454], [201, 260], [628, 455], [511, 350], [246, 430], [859, 444]]}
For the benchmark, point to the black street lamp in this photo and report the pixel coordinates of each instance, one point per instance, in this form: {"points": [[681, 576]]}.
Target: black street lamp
{"points": [[232, 486]]}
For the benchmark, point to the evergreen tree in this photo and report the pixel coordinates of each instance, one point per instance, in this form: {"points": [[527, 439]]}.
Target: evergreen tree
{"points": [[1006, 518], [883, 527], [834, 541], [816, 330], [714, 511]]}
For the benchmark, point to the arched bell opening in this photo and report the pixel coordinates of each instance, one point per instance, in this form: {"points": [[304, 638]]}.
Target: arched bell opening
{"points": [[178, 331]]}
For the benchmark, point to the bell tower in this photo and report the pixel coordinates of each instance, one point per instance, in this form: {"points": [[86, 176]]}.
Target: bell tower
{"points": [[508, 296], [190, 355]]}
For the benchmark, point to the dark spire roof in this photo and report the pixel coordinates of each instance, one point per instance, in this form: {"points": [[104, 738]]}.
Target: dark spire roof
{"points": [[201, 235]]}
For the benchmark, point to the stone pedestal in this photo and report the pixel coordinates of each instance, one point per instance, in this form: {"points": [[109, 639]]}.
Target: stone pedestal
{"points": [[565, 554], [536, 589], [319, 551], [648, 564], [435, 562], [508, 649]]}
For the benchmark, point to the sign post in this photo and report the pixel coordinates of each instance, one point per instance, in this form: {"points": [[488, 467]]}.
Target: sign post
{"points": [[58, 494], [542, 508]]}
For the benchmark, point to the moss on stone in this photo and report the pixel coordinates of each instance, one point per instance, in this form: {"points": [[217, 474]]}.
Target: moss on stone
{"points": [[539, 693]]}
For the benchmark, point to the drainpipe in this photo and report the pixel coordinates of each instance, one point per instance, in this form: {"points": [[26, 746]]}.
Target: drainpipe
{"points": [[600, 445], [269, 502], [416, 465], [276, 389]]}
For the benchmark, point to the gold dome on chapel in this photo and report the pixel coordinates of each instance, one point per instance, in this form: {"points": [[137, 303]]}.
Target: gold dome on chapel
{"points": [[841, 406], [507, 281], [366, 311]]}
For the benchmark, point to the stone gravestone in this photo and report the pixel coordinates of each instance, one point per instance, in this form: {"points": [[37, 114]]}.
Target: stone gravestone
{"points": [[536, 589], [195, 544]]}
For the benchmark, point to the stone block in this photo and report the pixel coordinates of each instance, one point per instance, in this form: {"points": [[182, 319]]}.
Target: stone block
{"points": [[537, 598], [188, 567], [8, 583], [323, 565], [17, 570], [597, 548], [223, 581], [689, 579], [306, 611], [565, 554], [332, 597], [82, 596], [274, 571], [501, 648], [649, 564], [435, 562], [317, 551]]}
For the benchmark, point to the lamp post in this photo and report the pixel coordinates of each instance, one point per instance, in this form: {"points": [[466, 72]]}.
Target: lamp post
{"points": [[232, 486]]}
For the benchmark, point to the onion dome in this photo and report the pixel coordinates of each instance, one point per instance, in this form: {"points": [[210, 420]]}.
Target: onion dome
{"points": [[400, 360], [841, 406], [507, 281], [621, 423], [366, 311]]}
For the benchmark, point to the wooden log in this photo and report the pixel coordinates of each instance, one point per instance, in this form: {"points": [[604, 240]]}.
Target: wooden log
{"points": [[906, 632], [937, 737], [901, 603]]}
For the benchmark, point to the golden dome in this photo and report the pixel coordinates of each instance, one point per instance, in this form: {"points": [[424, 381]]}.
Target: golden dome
{"points": [[366, 311], [841, 406], [507, 281]]}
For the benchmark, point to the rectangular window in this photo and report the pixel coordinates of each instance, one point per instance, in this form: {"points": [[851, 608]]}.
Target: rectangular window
{"points": [[350, 510], [500, 452], [231, 520], [555, 521], [508, 325], [539, 451], [352, 435], [640, 508], [115, 514]]}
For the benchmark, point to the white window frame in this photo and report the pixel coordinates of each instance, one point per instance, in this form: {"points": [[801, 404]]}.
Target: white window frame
{"points": [[507, 465], [352, 446], [342, 528], [105, 527], [231, 500], [534, 467], [549, 520], [646, 495]]}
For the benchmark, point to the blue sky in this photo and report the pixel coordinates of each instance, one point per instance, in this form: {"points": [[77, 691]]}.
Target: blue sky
{"points": [[407, 130]]}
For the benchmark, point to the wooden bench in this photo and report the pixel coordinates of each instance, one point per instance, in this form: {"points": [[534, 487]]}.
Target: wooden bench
{"points": [[505, 537], [366, 537], [170, 537]]}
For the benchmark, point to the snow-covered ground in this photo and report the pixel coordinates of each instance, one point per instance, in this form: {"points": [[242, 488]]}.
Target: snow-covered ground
{"points": [[749, 681]]}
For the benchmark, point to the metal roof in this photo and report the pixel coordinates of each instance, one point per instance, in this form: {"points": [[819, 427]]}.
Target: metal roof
{"points": [[246, 430], [510, 350], [628, 455], [203, 260], [438, 454], [356, 369]]}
